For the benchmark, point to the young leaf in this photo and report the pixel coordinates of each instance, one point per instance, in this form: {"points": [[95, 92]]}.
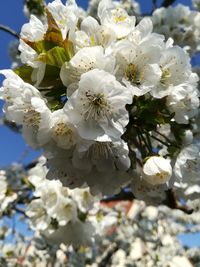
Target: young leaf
{"points": [[53, 33], [55, 57], [25, 73]]}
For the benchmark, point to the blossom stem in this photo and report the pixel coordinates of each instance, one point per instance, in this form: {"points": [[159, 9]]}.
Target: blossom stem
{"points": [[142, 148], [166, 138], [104, 259], [162, 142], [171, 202], [149, 140], [145, 141], [20, 211]]}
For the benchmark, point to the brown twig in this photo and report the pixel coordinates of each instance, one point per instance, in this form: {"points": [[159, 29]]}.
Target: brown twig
{"points": [[171, 202], [21, 211], [104, 259], [119, 197], [9, 30], [154, 4], [167, 3]]}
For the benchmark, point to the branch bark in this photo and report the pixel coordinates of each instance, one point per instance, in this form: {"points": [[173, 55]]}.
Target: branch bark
{"points": [[105, 258], [167, 3], [9, 30], [171, 202]]}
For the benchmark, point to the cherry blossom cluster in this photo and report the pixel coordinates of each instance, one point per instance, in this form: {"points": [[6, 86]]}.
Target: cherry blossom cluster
{"points": [[135, 233], [6, 197], [180, 23], [60, 214], [196, 4], [129, 231], [95, 95], [155, 232]]}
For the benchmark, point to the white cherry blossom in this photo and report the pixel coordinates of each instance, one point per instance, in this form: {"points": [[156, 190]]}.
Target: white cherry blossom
{"points": [[91, 33], [34, 30], [176, 69], [184, 102], [39, 218], [188, 164], [99, 112], [137, 66], [25, 106], [115, 18], [180, 23], [63, 131], [83, 198], [75, 234], [66, 16], [157, 170], [105, 156], [85, 59]]}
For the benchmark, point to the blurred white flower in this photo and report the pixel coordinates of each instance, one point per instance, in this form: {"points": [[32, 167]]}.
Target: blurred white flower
{"points": [[157, 170]]}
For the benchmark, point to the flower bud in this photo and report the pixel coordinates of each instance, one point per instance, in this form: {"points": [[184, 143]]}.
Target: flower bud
{"points": [[157, 170]]}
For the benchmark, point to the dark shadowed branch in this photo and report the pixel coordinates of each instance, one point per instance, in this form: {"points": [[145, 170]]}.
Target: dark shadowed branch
{"points": [[167, 3], [9, 30], [171, 200], [105, 258]]}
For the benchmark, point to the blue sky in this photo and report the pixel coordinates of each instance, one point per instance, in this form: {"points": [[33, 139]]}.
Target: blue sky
{"points": [[12, 145]]}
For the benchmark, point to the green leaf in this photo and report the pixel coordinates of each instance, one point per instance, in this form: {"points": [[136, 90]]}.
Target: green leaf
{"points": [[173, 150], [51, 39], [51, 77], [40, 46], [82, 216], [132, 156], [55, 57], [55, 105], [151, 112], [9, 253], [25, 73]]}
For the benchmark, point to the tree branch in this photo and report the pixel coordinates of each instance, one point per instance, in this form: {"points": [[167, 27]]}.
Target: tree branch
{"points": [[119, 197], [171, 202], [167, 3], [105, 258], [9, 30], [154, 4], [21, 211]]}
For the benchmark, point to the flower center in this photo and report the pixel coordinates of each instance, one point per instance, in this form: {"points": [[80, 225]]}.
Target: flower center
{"points": [[118, 15], [100, 150], [162, 175], [95, 106], [32, 118], [166, 74], [64, 135], [61, 129], [133, 74]]}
